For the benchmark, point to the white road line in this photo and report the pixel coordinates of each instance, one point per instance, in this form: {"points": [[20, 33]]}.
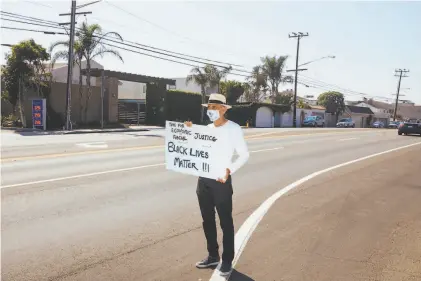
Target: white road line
{"points": [[348, 139], [83, 175], [103, 172], [268, 149], [246, 230], [93, 144]]}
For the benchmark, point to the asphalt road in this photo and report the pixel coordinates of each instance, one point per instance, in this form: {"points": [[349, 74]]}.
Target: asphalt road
{"points": [[104, 208]]}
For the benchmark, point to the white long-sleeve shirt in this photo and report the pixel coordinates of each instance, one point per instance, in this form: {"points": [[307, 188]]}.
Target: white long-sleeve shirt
{"points": [[233, 142]]}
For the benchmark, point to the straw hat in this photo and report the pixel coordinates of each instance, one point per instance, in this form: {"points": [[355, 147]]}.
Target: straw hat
{"points": [[217, 99]]}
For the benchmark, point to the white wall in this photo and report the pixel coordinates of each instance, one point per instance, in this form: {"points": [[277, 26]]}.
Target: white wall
{"points": [[60, 73], [180, 84], [132, 90]]}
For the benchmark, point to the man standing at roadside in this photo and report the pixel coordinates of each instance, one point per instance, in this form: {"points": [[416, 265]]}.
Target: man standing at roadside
{"points": [[217, 194]]}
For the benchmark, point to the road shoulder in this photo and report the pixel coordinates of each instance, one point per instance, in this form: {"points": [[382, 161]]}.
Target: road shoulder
{"points": [[360, 222]]}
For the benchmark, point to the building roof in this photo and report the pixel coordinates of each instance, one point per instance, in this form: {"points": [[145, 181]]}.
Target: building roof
{"points": [[125, 76], [359, 109], [317, 107]]}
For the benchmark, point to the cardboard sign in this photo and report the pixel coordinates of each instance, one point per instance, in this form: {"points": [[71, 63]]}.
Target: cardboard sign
{"points": [[193, 151]]}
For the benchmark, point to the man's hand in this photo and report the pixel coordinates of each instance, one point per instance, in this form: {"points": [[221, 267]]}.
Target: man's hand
{"points": [[188, 123], [227, 175]]}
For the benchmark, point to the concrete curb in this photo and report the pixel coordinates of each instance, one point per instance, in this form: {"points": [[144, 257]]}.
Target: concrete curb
{"points": [[102, 131]]}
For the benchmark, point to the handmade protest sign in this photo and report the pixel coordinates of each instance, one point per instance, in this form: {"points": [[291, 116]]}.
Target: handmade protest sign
{"points": [[193, 151]]}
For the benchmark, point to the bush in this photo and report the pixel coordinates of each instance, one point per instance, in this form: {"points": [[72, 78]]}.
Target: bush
{"points": [[182, 106]]}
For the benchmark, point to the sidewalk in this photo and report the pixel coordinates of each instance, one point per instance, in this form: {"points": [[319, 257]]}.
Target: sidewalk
{"points": [[82, 131]]}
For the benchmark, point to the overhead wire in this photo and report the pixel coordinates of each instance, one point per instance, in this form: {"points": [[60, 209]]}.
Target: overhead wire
{"points": [[304, 80]]}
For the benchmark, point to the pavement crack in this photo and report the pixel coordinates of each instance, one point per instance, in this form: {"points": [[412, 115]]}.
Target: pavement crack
{"points": [[105, 260]]}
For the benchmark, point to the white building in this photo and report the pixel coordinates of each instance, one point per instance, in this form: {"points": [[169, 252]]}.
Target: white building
{"points": [[59, 73], [180, 84], [126, 89]]}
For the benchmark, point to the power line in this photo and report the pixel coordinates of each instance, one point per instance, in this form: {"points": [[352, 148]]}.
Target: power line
{"points": [[161, 27], [27, 17], [147, 46], [35, 30], [307, 80]]}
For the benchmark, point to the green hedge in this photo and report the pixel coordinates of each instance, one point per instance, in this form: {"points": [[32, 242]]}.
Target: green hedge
{"points": [[182, 106]]}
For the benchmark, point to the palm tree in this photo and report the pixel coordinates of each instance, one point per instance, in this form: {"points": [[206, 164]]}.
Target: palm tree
{"points": [[91, 40], [273, 68], [77, 59], [201, 78], [257, 82], [88, 45], [216, 75]]}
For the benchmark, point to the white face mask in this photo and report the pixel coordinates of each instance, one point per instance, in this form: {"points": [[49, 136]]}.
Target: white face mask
{"points": [[213, 115]]}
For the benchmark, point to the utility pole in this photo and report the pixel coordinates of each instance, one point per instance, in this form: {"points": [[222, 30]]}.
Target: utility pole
{"points": [[399, 73], [70, 64], [72, 23], [298, 35]]}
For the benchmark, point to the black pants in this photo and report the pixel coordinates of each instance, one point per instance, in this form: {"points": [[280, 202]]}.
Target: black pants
{"points": [[211, 195]]}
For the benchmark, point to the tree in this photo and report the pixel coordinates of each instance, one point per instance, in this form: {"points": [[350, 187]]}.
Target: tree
{"points": [[24, 64], [303, 105], [256, 86], [284, 99], [91, 40], [88, 45], [199, 76], [77, 59], [334, 102], [215, 75], [273, 70], [232, 90]]}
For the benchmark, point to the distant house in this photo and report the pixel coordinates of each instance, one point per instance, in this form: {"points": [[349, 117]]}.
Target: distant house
{"points": [[405, 110], [380, 114], [359, 114]]}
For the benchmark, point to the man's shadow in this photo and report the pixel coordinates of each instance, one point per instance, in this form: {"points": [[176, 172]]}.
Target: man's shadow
{"points": [[238, 276]]}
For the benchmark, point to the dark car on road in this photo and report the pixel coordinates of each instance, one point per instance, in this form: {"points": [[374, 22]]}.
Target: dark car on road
{"points": [[345, 123], [409, 128], [394, 124], [378, 124]]}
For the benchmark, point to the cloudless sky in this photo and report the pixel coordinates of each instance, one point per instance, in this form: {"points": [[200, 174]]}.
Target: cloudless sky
{"points": [[369, 39]]}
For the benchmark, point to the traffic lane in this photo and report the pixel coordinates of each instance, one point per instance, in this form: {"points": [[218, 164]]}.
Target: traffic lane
{"points": [[173, 258], [358, 222], [68, 165], [44, 147], [112, 216]]}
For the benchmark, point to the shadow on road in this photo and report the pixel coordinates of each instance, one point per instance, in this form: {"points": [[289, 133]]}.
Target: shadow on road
{"points": [[238, 276]]}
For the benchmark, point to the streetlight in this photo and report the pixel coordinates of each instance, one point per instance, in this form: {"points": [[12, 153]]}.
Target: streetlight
{"points": [[326, 57]]}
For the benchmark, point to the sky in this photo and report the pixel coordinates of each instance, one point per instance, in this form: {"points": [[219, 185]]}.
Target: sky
{"points": [[368, 39]]}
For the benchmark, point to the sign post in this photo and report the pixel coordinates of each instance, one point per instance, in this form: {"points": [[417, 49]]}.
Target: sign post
{"points": [[39, 114], [194, 150]]}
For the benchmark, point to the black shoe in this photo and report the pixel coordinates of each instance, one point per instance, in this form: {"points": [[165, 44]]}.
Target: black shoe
{"points": [[225, 269], [208, 262]]}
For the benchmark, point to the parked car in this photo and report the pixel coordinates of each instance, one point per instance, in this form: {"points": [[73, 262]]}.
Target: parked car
{"points": [[378, 124], [409, 128], [394, 124], [345, 123], [313, 121]]}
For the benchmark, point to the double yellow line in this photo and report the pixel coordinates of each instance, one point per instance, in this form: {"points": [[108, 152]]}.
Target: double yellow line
{"points": [[134, 148]]}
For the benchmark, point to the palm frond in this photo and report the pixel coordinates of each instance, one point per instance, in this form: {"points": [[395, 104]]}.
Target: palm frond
{"points": [[103, 51], [60, 55], [58, 43]]}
